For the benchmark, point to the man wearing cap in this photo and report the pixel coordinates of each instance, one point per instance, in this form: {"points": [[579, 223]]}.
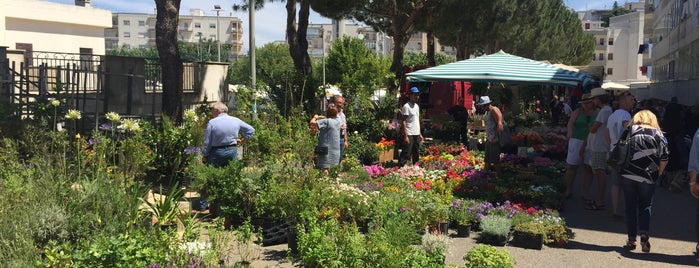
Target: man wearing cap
{"points": [[411, 128], [598, 143], [493, 129], [615, 128]]}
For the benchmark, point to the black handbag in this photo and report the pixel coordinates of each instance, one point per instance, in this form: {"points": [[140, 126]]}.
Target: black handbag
{"points": [[620, 156], [321, 150]]}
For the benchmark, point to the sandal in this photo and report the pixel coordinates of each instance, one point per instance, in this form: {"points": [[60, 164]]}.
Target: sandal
{"points": [[587, 201], [630, 245], [594, 206]]}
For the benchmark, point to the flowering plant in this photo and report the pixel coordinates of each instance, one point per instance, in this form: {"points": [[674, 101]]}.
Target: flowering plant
{"points": [[464, 211], [385, 144]]}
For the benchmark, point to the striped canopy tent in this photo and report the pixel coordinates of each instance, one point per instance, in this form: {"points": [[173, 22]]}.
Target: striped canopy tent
{"points": [[501, 67]]}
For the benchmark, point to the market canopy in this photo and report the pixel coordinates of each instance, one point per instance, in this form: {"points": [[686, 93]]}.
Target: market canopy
{"points": [[501, 67], [616, 87]]}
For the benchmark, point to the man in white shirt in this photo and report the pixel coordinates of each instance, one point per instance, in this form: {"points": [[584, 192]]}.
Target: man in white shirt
{"points": [[598, 143], [615, 128], [412, 137]]}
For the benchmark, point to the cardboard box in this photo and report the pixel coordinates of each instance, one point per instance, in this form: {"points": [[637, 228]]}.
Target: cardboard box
{"points": [[386, 156]]}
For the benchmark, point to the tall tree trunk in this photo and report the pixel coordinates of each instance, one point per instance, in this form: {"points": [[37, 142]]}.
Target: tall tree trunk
{"points": [[167, 20], [296, 35], [430, 49]]}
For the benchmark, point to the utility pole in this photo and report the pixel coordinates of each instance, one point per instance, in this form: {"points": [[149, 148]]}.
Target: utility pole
{"points": [[322, 36], [253, 69], [217, 8]]}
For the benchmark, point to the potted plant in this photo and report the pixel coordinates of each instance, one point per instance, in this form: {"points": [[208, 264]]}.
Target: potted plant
{"points": [[463, 213], [495, 230], [165, 209], [488, 256], [558, 235], [529, 235]]}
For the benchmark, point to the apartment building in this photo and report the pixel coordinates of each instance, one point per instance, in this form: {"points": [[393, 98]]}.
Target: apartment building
{"points": [[137, 30], [378, 42], [675, 50], [32, 25], [618, 57]]}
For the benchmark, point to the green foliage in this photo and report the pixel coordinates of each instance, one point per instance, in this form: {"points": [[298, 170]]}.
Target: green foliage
{"points": [[558, 233], [232, 188], [412, 58], [354, 68], [164, 207], [204, 50], [245, 235], [280, 140], [496, 225], [135, 249], [362, 149], [482, 256], [330, 244], [168, 142], [530, 227]]}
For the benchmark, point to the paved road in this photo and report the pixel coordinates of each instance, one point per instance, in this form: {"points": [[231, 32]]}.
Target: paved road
{"points": [[598, 240]]}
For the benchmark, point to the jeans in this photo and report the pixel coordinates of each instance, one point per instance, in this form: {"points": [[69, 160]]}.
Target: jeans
{"points": [[410, 150], [639, 199], [221, 157]]}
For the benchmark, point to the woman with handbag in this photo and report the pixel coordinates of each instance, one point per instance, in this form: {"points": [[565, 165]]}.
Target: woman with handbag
{"points": [[328, 149], [648, 158]]}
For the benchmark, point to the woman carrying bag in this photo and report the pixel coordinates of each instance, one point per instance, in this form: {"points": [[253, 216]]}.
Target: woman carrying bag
{"points": [[649, 155]]}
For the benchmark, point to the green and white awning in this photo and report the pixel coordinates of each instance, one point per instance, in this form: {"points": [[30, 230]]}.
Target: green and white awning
{"points": [[501, 67]]}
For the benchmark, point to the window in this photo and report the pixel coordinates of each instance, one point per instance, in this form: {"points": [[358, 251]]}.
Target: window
{"points": [[141, 23], [610, 56], [127, 22], [594, 57], [610, 71], [142, 46], [197, 25], [611, 41], [186, 25], [601, 56], [601, 41], [212, 25], [587, 26], [143, 35], [127, 34]]}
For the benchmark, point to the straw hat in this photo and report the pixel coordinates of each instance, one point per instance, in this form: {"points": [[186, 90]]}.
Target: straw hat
{"points": [[585, 98], [598, 91]]}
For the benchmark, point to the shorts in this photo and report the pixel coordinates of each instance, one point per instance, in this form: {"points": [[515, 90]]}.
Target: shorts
{"points": [[598, 160], [573, 158]]}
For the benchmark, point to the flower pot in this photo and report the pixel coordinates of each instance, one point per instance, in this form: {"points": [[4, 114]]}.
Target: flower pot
{"points": [[444, 228], [492, 239], [292, 238], [463, 230], [528, 240]]}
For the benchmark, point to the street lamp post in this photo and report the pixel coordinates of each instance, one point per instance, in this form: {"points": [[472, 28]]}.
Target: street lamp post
{"points": [[322, 36], [217, 8]]}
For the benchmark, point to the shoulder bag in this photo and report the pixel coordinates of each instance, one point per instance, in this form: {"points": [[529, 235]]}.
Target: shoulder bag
{"points": [[620, 156]]}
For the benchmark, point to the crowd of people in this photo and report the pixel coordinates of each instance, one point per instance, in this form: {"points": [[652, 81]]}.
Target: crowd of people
{"points": [[660, 153]]}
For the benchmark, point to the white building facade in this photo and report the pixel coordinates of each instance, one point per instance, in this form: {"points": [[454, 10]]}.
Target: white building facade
{"points": [[137, 30], [675, 50], [32, 25]]}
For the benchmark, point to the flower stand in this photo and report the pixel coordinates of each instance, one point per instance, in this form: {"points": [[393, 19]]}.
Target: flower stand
{"points": [[386, 156]]}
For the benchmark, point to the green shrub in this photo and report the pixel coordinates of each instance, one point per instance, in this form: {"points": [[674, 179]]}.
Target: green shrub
{"points": [[496, 225], [486, 256], [330, 244]]}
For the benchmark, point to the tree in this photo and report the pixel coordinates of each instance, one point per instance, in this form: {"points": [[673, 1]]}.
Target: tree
{"points": [[295, 32], [166, 24], [397, 18], [414, 58]]}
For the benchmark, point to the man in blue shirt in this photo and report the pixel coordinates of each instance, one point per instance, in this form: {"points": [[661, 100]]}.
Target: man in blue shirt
{"points": [[221, 137]]}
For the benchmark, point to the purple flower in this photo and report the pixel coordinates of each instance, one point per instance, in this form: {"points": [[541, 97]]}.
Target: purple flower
{"points": [[192, 150], [106, 126]]}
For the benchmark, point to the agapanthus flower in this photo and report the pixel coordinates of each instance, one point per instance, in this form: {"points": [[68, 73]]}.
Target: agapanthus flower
{"points": [[112, 116], [73, 114], [55, 103], [130, 125]]}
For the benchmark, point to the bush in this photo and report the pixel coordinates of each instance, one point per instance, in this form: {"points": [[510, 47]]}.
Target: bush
{"points": [[496, 225], [483, 256]]}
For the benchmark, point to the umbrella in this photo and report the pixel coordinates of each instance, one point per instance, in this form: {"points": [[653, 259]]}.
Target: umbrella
{"points": [[614, 86], [501, 67]]}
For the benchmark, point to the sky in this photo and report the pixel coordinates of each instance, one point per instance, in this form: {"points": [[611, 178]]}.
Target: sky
{"points": [[270, 22]]}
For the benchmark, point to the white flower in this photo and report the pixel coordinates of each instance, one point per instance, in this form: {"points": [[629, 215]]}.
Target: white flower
{"points": [[130, 125], [112, 116], [191, 115], [55, 103], [73, 114]]}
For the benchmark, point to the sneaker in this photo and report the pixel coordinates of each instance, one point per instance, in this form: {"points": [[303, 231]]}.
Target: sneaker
{"points": [[630, 245], [645, 245], [696, 250]]}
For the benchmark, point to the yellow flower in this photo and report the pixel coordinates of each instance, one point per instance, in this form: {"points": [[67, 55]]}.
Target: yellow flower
{"points": [[191, 115], [77, 136], [55, 103]]}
